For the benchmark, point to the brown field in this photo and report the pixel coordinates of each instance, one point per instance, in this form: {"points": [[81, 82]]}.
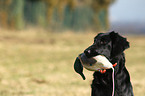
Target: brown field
{"points": [[36, 63]]}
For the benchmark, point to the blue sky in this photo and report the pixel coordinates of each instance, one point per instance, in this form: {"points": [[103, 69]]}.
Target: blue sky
{"points": [[127, 10]]}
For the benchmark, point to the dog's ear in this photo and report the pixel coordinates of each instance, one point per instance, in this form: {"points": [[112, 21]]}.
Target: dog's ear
{"points": [[119, 44]]}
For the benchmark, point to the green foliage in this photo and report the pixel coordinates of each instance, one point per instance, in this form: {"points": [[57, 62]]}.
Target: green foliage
{"points": [[17, 13], [56, 14]]}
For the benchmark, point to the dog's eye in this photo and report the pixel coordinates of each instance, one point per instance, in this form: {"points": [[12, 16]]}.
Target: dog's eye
{"points": [[102, 42]]}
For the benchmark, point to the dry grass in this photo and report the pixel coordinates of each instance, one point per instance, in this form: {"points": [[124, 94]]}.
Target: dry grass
{"points": [[41, 64]]}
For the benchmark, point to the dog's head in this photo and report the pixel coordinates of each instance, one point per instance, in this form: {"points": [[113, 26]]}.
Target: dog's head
{"points": [[108, 44]]}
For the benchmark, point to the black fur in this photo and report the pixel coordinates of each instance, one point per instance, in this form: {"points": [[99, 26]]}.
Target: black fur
{"points": [[112, 46]]}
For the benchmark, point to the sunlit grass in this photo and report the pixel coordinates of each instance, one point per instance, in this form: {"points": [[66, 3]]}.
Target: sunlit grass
{"points": [[41, 64]]}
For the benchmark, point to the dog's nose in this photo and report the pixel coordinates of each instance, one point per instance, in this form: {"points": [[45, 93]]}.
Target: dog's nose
{"points": [[87, 52]]}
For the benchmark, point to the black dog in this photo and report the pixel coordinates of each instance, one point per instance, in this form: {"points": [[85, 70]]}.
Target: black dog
{"points": [[112, 46]]}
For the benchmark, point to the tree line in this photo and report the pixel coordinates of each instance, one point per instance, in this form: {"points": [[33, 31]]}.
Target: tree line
{"points": [[55, 14]]}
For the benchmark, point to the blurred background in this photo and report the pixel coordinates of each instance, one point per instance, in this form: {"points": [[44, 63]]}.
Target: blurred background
{"points": [[40, 39], [128, 16], [55, 14]]}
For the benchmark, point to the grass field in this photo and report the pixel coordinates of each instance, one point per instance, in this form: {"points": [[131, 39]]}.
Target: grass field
{"points": [[33, 64]]}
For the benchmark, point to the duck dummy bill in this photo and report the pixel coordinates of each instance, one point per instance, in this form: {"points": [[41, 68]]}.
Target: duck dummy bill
{"points": [[95, 63]]}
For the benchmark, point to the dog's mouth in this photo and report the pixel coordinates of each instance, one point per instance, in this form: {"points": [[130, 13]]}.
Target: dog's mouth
{"points": [[93, 65], [89, 64]]}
